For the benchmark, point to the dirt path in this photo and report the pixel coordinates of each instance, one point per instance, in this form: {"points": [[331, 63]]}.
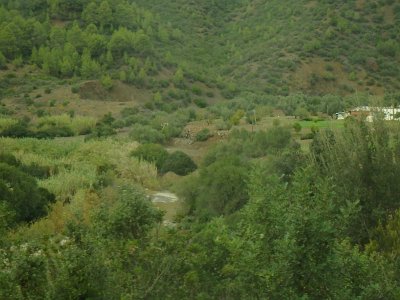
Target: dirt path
{"points": [[169, 203]]}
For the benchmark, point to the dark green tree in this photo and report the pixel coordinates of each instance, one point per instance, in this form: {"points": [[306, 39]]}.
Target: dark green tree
{"points": [[180, 163], [21, 194]]}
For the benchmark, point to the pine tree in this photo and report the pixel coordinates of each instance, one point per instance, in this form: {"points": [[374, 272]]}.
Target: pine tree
{"points": [[57, 37], [43, 54], [109, 58], [90, 14], [8, 42], [105, 14], [90, 69], [35, 56], [76, 37], [142, 76], [106, 82], [67, 67]]}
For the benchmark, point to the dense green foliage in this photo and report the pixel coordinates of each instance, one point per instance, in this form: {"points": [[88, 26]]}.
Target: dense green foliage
{"points": [[20, 195], [152, 153], [178, 162], [276, 223], [82, 48], [108, 106], [280, 47]]}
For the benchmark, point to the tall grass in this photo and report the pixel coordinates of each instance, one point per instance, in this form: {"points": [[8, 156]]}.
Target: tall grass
{"points": [[78, 165], [79, 124], [67, 182], [6, 122]]}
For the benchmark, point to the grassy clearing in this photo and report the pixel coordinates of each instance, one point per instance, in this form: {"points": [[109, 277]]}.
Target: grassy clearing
{"points": [[322, 124]]}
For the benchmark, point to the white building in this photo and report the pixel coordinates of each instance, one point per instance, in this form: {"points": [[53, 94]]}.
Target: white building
{"points": [[372, 112]]}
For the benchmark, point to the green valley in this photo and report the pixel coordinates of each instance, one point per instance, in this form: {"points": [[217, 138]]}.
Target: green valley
{"points": [[242, 149]]}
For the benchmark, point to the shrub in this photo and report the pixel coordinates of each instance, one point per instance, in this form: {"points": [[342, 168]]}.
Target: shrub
{"points": [[32, 169], [201, 103], [307, 136], [17, 130], [196, 90], [101, 130], [18, 62], [131, 216], [7, 122], [236, 117], [75, 89], [107, 82], [297, 127], [180, 163], [153, 153], [312, 45], [222, 125], [388, 48], [25, 198], [53, 131], [203, 135], [9, 159], [301, 113], [220, 188], [146, 134]]}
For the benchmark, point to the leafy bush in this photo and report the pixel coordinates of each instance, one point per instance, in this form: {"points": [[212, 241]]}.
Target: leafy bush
{"points": [[146, 134], [180, 163], [219, 189], [21, 194], [201, 103], [107, 82], [153, 153], [75, 89], [388, 48], [53, 131], [32, 169], [196, 90], [297, 127], [130, 217], [307, 136], [203, 135], [17, 130]]}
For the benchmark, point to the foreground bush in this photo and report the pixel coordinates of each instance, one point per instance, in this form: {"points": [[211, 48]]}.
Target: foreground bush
{"points": [[20, 194]]}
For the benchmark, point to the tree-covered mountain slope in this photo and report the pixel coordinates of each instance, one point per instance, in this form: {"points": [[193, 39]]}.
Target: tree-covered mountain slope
{"points": [[101, 50], [177, 51], [285, 46]]}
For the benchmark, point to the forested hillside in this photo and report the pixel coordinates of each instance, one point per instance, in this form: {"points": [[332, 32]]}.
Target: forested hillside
{"points": [[231, 149], [281, 47], [264, 46]]}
